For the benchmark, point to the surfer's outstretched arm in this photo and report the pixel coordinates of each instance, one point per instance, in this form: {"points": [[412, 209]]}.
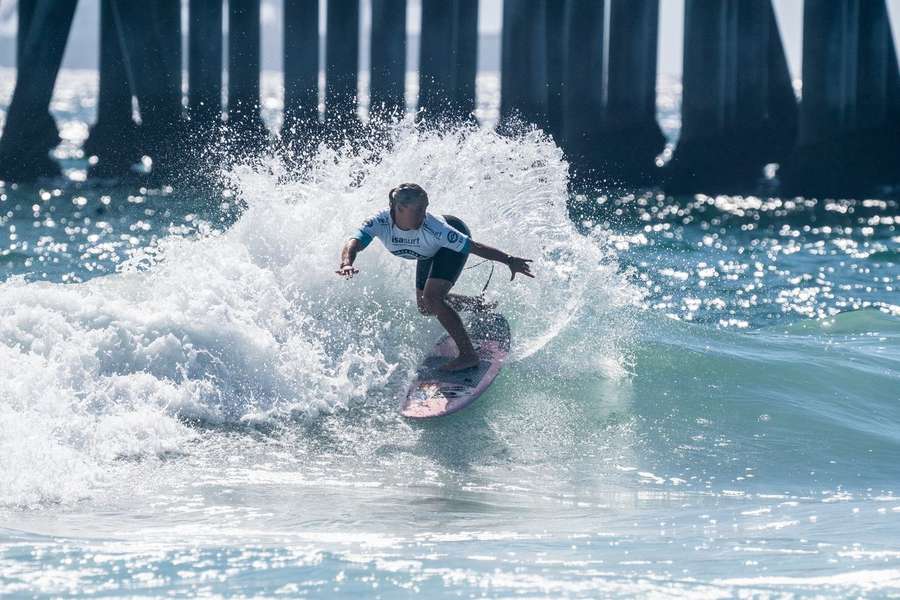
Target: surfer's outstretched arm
{"points": [[516, 264], [348, 256]]}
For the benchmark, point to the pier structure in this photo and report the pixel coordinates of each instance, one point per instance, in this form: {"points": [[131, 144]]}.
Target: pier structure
{"points": [[448, 57], [246, 130], [850, 113], [556, 53], [301, 69], [341, 67], [387, 59], [113, 143], [582, 81], [30, 132], [631, 138], [524, 93], [205, 54], [738, 110], [584, 71], [151, 44], [608, 117], [25, 15]]}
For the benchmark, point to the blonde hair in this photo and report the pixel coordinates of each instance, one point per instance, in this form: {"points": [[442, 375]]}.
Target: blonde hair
{"points": [[407, 193]]}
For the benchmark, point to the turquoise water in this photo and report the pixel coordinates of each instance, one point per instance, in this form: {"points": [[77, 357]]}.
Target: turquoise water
{"points": [[703, 399]]}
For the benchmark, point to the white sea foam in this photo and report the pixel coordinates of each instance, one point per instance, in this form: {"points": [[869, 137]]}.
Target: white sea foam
{"points": [[252, 324]]}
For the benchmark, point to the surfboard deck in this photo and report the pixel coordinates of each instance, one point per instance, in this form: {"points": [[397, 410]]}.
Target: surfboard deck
{"points": [[434, 393]]}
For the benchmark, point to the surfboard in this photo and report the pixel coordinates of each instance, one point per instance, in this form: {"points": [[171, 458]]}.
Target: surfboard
{"points": [[435, 393]]}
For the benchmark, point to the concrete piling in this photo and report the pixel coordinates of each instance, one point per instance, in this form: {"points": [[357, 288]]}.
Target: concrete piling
{"points": [[582, 91], [301, 69], [26, 8], [730, 125], [849, 133], [342, 64], [584, 71], [245, 124], [555, 50], [115, 138], [435, 59], [465, 34], [27, 135], [632, 138], [150, 36], [205, 66], [387, 69], [524, 95], [447, 60], [25, 12]]}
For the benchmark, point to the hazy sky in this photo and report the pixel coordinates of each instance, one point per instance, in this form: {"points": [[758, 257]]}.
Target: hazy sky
{"points": [[789, 12]]}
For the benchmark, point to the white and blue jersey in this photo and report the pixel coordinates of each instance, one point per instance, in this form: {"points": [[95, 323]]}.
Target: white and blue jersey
{"points": [[414, 244]]}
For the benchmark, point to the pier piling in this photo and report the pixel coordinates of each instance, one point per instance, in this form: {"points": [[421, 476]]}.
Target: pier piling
{"points": [[387, 69], [150, 35], [465, 33], [555, 49], [205, 67], [448, 56], [849, 133], [632, 138], [30, 132], [342, 65], [25, 13], [524, 95], [246, 129], [115, 138], [738, 111], [301, 69], [582, 86], [26, 8]]}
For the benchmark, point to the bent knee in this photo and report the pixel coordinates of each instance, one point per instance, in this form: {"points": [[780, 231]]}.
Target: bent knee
{"points": [[431, 304]]}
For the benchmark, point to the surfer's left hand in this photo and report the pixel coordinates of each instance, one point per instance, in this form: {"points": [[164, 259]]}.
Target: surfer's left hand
{"points": [[347, 271], [519, 265]]}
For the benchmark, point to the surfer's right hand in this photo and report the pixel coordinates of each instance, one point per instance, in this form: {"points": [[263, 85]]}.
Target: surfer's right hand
{"points": [[347, 271]]}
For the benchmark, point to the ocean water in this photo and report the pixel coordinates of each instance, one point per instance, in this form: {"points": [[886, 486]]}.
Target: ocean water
{"points": [[703, 398]]}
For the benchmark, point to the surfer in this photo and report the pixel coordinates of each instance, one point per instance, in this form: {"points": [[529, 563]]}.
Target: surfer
{"points": [[441, 246]]}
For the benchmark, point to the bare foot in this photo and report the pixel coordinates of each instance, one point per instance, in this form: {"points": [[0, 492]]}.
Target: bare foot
{"points": [[460, 363]]}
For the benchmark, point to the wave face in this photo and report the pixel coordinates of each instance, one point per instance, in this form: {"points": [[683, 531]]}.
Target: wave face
{"points": [[809, 406]]}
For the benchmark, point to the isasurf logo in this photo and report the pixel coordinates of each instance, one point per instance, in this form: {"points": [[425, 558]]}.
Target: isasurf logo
{"points": [[401, 241]]}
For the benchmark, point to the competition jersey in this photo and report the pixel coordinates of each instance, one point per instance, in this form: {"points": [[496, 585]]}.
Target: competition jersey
{"points": [[414, 244]]}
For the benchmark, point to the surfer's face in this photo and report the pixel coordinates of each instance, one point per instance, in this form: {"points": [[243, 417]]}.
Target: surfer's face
{"points": [[410, 215]]}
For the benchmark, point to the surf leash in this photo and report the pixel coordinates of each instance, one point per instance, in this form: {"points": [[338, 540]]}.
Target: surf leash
{"points": [[488, 282], [491, 274]]}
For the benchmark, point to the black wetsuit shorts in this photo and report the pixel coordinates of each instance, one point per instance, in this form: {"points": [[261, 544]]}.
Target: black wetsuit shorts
{"points": [[446, 264]]}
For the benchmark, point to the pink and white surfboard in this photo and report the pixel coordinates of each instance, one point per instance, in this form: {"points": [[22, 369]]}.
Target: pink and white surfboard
{"points": [[435, 393]]}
